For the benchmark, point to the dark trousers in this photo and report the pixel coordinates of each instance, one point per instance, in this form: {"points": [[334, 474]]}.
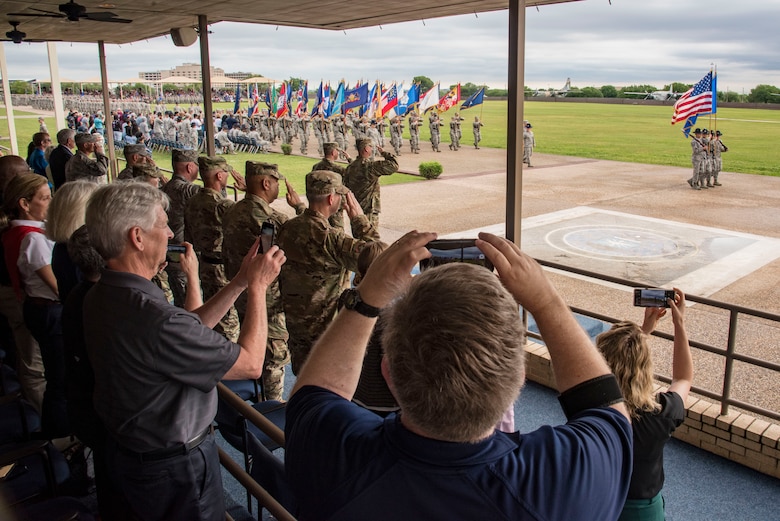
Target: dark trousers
{"points": [[177, 282], [42, 318], [187, 487]]}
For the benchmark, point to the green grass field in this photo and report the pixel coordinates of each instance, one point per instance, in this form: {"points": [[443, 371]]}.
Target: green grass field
{"points": [[631, 133]]}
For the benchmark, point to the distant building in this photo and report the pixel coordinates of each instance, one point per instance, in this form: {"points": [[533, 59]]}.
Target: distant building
{"points": [[187, 70]]}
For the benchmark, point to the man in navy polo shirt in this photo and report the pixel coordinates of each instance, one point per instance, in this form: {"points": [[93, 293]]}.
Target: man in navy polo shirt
{"points": [[454, 355]]}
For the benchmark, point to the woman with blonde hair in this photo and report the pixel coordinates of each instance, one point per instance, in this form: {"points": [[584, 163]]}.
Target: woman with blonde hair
{"points": [[66, 215], [28, 258], [653, 417]]}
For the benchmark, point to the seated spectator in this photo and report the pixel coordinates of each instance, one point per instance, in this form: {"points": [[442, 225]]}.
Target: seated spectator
{"points": [[454, 361], [224, 141], [654, 417]]}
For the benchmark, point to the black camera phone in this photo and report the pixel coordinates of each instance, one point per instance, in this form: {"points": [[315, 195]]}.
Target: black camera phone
{"points": [[444, 251], [176, 248], [267, 236], [652, 297]]}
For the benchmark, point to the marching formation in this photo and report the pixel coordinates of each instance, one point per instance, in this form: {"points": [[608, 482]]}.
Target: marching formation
{"points": [[706, 150]]}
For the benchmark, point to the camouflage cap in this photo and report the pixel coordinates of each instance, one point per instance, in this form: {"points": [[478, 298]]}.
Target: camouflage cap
{"points": [[146, 170], [184, 156], [85, 137], [324, 182], [329, 147], [206, 163], [259, 168], [140, 150], [363, 143]]}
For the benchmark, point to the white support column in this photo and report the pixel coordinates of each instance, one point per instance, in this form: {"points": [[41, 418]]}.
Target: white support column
{"points": [[107, 112], [9, 106], [514, 135], [205, 67], [56, 87]]}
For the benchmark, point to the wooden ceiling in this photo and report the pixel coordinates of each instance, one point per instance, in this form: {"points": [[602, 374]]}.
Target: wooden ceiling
{"points": [[152, 18]]}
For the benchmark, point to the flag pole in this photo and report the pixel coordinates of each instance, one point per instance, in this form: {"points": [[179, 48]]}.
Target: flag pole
{"points": [[482, 105], [714, 70]]}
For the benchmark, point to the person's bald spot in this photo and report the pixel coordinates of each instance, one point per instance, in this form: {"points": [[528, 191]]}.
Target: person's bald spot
{"points": [[10, 167]]}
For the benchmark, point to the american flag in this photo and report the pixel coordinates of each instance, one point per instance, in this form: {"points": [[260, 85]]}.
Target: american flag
{"points": [[701, 99]]}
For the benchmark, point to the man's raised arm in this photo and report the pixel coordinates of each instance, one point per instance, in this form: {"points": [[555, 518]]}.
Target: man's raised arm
{"points": [[574, 358], [336, 360]]}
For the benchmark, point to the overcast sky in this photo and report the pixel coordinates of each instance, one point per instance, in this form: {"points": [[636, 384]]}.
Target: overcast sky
{"points": [[592, 42]]}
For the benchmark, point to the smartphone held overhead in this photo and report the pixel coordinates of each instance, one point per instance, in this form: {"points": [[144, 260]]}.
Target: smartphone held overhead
{"points": [[653, 297], [444, 251]]}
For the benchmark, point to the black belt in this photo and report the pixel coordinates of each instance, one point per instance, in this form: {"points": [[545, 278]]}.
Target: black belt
{"points": [[211, 260], [177, 450]]}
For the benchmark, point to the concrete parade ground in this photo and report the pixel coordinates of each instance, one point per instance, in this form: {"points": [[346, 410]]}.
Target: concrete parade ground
{"points": [[633, 221]]}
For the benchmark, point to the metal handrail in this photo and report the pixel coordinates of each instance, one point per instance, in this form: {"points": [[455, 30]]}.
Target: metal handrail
{"points": [[265, 499], [729, 353], [245, 410]]}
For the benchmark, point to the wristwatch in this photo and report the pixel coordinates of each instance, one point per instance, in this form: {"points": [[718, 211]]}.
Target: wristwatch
{"points": [[353, 302]]}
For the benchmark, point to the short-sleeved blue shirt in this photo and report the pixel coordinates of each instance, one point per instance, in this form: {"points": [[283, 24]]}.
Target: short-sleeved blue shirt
{"points": [[344, 463]]}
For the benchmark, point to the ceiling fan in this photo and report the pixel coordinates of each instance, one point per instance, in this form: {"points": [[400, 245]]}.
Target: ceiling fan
{"points": [[17, 36], [75, 12]]}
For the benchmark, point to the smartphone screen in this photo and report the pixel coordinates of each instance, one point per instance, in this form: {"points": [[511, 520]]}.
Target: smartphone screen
{"points": [[267, 233], [444, 251], [652, 297]]}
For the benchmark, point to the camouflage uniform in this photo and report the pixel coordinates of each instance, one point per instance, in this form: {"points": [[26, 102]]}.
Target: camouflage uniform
{"points": [[477, 132], [717, 163], [319, 132], [340, 132], [698, 155], [241, 226], [83, 167], [203, 223], [311, 280], [414, 133], [373, 135], [434, 124], [396, 133], [179, 191], [529, 142], [362, 177], [337, 219], [304, 133]]}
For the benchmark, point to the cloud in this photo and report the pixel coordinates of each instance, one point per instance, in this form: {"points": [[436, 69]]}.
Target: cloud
{"points": [[592, 42]]}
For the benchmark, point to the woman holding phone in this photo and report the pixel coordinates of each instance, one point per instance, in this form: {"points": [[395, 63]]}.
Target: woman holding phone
{"points": [[653, 417]]}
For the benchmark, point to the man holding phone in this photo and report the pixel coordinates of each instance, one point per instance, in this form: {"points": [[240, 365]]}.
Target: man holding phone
{"points": [[241, 225], [441, 456], [203, 215]]}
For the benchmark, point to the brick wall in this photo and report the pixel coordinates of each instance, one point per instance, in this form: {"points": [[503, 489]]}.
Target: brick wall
{"points": [[750, 441]]}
